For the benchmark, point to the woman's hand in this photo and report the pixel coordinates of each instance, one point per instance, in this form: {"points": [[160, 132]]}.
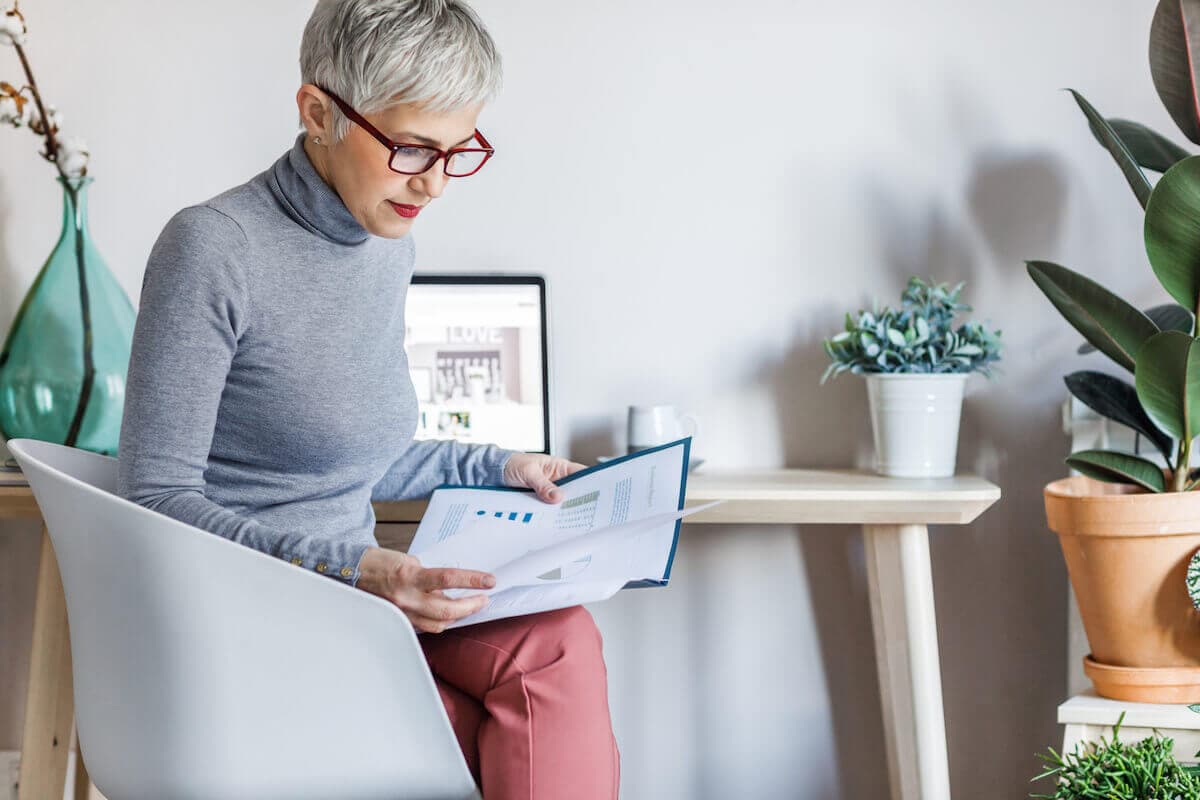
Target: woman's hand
{"points": [[400, 579], [538, 471]]}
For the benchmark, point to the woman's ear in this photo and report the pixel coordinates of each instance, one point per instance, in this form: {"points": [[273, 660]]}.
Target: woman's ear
{"points": [[314, 112]]}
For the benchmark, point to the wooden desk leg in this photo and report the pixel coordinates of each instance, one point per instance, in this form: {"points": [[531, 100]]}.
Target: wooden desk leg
{"points": [[83, 783], [49, 702], [906, 652]]}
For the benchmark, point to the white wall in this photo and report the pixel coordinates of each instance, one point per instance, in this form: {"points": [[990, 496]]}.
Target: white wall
{"points": [[709, 186]]}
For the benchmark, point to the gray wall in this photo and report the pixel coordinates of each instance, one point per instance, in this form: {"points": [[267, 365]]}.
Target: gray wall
{"points": [[708, 186]]}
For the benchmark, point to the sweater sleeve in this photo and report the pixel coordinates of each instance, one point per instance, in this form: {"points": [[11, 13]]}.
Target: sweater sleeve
{"points": [[427, 464], [194, 306]]}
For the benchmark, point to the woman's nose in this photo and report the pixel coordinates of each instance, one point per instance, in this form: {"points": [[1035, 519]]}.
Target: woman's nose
{"points": [[433, 180]]}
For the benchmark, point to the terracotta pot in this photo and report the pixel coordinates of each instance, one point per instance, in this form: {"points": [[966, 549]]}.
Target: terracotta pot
{"points": [[1127, 553], [1174, 685]]}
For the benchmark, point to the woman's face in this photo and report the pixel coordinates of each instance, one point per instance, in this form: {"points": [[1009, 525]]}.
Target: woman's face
{"points": [[357, 166]]}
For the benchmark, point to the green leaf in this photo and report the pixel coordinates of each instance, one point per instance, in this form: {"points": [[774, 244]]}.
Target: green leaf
{"points": [[1151, 150], [1111, 325], [1168, 317], [1117, 400], [1193, 579], [1167, 379], [1175, 62], [1104, 465], [1172, 235], [1116, 148]]}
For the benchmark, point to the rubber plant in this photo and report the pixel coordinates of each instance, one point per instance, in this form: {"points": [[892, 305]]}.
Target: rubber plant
{"points": [[1159, 346]]}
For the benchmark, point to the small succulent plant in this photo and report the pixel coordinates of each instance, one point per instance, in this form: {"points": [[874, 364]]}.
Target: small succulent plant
{"points": [[1145, 770], [919, 337]]}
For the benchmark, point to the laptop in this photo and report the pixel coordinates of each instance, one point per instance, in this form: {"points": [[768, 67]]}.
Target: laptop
{"points": [[477, 350]]}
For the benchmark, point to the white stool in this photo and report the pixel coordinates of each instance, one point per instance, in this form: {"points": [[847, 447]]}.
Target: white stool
{"points": [[1089, 717]]}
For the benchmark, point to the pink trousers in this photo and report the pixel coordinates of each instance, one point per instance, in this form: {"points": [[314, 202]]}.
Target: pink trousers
{"points": [[528, 700]]}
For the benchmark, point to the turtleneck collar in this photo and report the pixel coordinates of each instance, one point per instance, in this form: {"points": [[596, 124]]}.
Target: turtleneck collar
{"points": [[310, 201]]}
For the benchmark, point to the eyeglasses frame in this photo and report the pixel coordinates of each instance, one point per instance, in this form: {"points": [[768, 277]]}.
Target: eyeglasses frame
{"points": [[442, 155]]}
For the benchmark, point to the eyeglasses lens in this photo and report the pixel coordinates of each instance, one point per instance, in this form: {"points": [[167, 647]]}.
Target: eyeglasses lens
{"points": [[415, 160]]}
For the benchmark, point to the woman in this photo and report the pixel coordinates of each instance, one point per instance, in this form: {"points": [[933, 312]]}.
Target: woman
{"points": [[268, 397]]}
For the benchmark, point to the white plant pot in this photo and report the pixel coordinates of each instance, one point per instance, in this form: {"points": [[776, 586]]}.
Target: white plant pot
{"points": [[914, 419]]}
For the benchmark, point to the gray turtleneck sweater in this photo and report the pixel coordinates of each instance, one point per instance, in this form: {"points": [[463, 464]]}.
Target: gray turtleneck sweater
{"points": [[268, 398]]}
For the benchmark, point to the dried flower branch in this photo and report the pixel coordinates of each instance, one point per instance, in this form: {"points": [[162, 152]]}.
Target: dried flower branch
{"points": [[15, 108], [12, 24], [24, 107]]}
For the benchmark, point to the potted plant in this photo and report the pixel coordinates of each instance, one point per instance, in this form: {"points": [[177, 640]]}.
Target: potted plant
{"points": [[1128, 527], [1146, 770], [915, 363]]}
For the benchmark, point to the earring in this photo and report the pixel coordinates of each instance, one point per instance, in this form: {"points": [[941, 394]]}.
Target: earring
{"points": [[317, 139]]}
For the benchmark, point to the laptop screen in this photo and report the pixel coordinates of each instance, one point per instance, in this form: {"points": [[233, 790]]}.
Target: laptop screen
{"points": [[476, 347]]}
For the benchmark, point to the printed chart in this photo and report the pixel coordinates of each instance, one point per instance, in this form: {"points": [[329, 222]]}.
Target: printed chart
{"points": [[578, 512], [515, 516]]}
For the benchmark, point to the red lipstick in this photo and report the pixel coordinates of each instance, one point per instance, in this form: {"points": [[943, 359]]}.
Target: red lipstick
{"points": [[407, 212]]}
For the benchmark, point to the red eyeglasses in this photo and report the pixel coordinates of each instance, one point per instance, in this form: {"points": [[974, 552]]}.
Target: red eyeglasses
{"points": [[415, 159]]}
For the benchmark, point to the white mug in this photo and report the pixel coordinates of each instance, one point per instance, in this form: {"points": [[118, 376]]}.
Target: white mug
{"points": [[654, 425]]}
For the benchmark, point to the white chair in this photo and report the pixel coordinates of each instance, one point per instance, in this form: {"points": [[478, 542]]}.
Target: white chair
{"points": [[205, 670]]}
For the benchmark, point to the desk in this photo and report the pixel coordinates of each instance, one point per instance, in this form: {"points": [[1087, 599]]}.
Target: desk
{"points": [[894, 513]]}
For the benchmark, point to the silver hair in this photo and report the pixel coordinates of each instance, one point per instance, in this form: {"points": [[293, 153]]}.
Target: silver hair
{"points": [[377, 53]]}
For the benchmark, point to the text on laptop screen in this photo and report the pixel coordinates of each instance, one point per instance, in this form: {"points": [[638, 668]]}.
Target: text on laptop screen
{"points": [[475, 356]]}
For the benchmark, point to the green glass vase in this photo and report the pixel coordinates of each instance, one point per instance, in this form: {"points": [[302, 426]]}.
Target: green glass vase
{"points": [[63, 364]]}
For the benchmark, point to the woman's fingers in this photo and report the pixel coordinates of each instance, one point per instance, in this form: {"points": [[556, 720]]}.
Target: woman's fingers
{"points": [[433, 610], [546, 491], [434, 613], [431, 580]]}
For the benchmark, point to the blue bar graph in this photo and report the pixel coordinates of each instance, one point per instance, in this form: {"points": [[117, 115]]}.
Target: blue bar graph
{"points": [[515, 516]]}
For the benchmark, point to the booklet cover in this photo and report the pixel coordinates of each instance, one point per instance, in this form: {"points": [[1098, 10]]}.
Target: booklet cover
{"points": [[616, 527]]}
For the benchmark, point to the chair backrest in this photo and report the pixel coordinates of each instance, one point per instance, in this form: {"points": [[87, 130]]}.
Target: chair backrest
{"points": [[204, 669]]}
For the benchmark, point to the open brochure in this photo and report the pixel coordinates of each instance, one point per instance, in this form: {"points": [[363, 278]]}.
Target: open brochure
{"points": [[616, 527]]}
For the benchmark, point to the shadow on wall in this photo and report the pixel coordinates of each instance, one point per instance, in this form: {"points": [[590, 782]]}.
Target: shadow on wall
{"points": [[1016, 202], [591, 438], [1000, 585]]}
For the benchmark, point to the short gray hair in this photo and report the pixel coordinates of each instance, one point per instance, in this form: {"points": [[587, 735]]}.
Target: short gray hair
{"points": [[377, 53]]}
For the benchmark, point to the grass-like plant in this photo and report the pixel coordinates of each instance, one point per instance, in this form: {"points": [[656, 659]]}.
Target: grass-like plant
{"points": [[919, 337], [1111, 770]]}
